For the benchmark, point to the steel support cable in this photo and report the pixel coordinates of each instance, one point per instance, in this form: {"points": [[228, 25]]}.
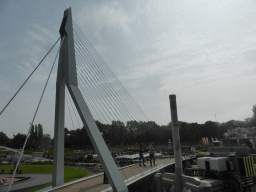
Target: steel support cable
{"points": [[97, 56], [126, 161], [94, 97], [95, 88], [21, 153], [72, 121], [128, 93], [94, 105], [101, 106], [121, 167], [147, 139], [106, 94], [29, 77], [95, 84], [74, 113], [118, 106], [115, 79], [93, 102], [71, 118], [68, 96], [100, 92], [94, 112], [114, 94]]}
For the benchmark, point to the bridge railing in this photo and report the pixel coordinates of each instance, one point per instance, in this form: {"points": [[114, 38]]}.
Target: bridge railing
{"points": [[166, 181]]}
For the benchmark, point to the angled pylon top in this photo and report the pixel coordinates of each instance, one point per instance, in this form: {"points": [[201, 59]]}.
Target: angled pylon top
{"points": [[66, 32]]}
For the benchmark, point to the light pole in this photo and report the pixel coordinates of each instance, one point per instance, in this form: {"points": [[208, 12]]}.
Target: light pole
{"points": [[176, 144]]}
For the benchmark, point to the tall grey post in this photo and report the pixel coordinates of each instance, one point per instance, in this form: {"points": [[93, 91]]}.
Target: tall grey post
{"points": [[67, 75], [176, 144]]}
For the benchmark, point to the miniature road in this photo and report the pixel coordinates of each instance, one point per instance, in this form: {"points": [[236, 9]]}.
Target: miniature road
{"points": [[96, 183]]}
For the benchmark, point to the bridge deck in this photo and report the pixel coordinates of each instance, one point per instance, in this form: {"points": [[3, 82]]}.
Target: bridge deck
{"points": [[129, 174]]}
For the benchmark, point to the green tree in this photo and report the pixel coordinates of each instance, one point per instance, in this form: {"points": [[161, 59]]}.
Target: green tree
{"points": [[81, 159], [46, 141], [4, 139], [89, 158], [18, 141]]}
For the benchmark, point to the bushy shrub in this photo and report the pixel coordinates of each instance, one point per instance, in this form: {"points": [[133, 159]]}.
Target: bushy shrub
{"points": [[200, 155], [204, 149], [2, 171], [89, 158], [67, 163], [11, 171], [81, 159], [20, 172], [95, 170]]}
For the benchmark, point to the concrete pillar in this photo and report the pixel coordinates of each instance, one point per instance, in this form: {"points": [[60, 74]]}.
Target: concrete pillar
{"points": [[176, 144], [158, 183]]}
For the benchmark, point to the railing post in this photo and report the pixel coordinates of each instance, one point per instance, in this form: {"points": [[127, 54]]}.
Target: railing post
{"points": [[158, 183], [176, 144]]}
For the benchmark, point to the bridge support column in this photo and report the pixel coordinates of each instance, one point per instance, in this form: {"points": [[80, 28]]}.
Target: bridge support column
{"points": [[176, 144], [158, 183], [58, 153], [67, 75]]}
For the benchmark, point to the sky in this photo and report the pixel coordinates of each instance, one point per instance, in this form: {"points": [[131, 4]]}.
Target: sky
{"points": [[200, 50]]}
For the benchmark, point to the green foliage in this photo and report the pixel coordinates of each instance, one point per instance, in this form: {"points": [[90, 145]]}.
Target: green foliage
{"points": [[95, 170], [4, 140], [30, 151], [67, 163], [204, 149], [89, 158], [200, 155], [18, 141], [70, 173], [2, 171], [81, 159]]}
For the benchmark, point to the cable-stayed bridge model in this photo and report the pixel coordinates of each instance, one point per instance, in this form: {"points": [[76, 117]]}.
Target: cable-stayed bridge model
{"points": [[99, 98]]}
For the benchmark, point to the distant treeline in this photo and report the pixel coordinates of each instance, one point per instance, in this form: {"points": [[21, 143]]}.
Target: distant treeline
{"points": [[131, 133]]}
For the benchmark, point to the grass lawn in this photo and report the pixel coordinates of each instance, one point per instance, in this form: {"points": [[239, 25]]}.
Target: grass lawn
{"points": [[70, 173]]}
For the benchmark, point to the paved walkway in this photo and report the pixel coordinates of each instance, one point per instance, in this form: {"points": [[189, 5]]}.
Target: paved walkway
{"points": [[96, 183], [35, 180]]}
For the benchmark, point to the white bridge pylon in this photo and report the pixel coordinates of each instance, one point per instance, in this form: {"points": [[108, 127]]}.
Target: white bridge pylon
{"points": [[67, 75]]}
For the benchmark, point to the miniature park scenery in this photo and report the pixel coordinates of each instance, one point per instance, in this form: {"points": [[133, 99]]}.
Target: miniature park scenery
{"points": [[81, 160]]}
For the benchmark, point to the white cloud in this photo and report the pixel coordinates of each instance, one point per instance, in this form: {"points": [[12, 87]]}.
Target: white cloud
{"points": [[104, 15]]}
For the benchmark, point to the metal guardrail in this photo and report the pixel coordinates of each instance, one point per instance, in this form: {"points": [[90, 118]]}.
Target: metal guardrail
{"points": [[166, 181]]}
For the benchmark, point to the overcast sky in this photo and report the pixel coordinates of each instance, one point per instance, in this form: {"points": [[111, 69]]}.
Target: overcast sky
{"points": [[202, 51]]}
